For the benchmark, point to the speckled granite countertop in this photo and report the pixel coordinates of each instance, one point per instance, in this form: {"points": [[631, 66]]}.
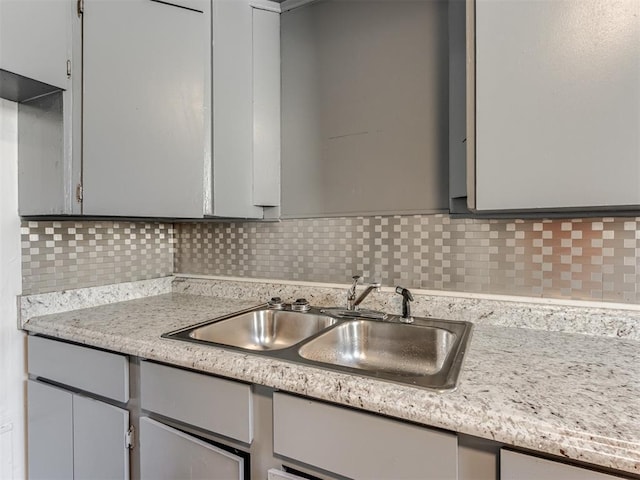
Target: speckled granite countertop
{"points": [[565, 394]]}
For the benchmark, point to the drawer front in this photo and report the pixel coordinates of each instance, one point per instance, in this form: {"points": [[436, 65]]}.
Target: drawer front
{"points": [[519, 466], [94, 371], [214, 404], [360, 445]]}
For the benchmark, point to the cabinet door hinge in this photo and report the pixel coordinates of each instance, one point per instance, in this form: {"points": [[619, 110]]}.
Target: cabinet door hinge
{"points": [[79, 193], [129, 438], [80, 7], [68, 68]]}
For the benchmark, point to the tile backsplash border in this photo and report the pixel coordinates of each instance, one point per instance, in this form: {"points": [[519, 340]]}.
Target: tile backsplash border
{"points": [[581, 259], [63, 255]]}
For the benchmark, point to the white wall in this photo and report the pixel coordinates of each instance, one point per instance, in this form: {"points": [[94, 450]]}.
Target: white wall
{"points": [[12, 362]]}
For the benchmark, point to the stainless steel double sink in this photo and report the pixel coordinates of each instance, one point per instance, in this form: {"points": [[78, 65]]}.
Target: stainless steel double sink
{"points": [[427, 353]]}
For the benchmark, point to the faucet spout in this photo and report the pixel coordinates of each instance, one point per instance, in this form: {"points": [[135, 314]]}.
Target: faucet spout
{"points": [[353, 302], [363, 295]]}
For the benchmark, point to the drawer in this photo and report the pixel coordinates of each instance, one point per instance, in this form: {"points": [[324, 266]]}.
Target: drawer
{"points": [[360, 445], [214, 404], [519, 466], [101, 373]]}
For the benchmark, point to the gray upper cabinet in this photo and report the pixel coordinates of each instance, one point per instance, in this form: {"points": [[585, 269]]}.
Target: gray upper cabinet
{"points": [[364, 108], [246, 110], [40, 68], [557, 104], [178, 100], [35, 42], [143, 117], [180, 113]]}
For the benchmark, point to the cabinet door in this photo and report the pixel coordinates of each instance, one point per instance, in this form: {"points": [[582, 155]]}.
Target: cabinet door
{"points": [[35, 39], [246, 123], [518, 466], [167, 453], [557, 96], [99, 440], [275, 474], [50, 432], [143, 133], [364, 108]]}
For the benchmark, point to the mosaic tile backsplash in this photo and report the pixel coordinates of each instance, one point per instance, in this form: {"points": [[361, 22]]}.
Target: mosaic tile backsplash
{"points": [[66, 255], [589, 259]]}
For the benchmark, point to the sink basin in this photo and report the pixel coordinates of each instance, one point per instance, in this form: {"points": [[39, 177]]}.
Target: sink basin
{"points": [[427, 353], [262, 329], [396, 349]]}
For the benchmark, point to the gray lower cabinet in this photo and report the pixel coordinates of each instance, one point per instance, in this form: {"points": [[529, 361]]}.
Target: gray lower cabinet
{"points": [[360, 445], [73, 436], [77, 428], [519, 466], [50, 431], [214, 404], [167, 454], [100, 447], [216, 408], [192, 425], [102, 373]]}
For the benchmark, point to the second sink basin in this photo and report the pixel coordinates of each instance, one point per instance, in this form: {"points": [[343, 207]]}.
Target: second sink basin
{"points": [[393, 348], [427, 353], [263, 329]]}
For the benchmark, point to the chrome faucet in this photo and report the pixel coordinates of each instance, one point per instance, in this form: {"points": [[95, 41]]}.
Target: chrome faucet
{"points": [[353, 302]]}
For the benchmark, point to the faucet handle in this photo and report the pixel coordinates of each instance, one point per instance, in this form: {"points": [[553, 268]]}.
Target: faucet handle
{"points": [[352, 289], [351, 294]]}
